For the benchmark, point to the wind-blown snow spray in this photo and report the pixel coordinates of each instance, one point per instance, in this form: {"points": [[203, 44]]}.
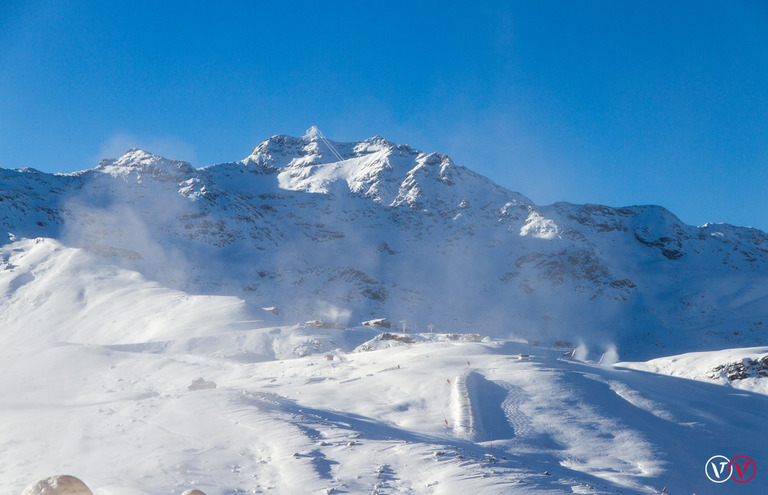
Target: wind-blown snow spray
{"points": [[611, 356], [334, 314], [125, 210], [580, 353]]}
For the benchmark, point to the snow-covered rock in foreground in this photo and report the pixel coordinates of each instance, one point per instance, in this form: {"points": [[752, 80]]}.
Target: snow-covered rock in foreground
{"points": [[58, 485]]}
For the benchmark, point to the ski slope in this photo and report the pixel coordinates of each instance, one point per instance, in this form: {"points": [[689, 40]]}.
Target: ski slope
{"points": [[443, 414]]}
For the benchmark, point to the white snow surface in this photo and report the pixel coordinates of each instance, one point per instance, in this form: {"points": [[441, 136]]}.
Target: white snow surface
{"points": [[432, 413], [716, 367], [152, 343]]}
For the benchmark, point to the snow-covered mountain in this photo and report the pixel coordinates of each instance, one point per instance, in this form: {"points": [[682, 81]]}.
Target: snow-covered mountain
{"points": [[354, 231], [166, 328]]}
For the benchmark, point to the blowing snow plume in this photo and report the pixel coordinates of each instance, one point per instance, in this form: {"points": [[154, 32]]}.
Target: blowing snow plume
{"points": [[127, 211], [610, 356], [581, 352], [333, 314]]}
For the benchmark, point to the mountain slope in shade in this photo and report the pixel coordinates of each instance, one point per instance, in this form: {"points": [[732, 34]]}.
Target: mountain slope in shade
{"points": [[389, 231]]}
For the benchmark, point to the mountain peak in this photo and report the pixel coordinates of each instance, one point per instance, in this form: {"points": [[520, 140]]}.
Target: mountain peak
{"points": [[313, 148], [141, 161], [281, 151], [312, 133]]}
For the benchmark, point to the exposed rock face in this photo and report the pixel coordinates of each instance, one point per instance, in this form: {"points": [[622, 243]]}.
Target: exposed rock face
{"points": [[740, 370]]}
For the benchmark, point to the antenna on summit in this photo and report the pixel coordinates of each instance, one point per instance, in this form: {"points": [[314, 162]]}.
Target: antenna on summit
{"points": [[315, 131]]}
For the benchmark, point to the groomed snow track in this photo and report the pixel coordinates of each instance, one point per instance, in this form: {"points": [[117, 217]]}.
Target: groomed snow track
{"points": [[478, 409]]}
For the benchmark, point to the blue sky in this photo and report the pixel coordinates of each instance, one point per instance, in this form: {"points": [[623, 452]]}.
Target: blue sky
{"points": [[612, 102]]}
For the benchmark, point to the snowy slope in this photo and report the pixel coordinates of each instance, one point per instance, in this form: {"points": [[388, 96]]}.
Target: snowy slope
{"points": [[56, 294], [136, 353], [743, 368], [445, 414]]}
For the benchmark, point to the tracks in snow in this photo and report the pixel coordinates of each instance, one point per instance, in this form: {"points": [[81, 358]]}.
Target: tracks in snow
{"points": [[518, 420], [484, 410]]}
